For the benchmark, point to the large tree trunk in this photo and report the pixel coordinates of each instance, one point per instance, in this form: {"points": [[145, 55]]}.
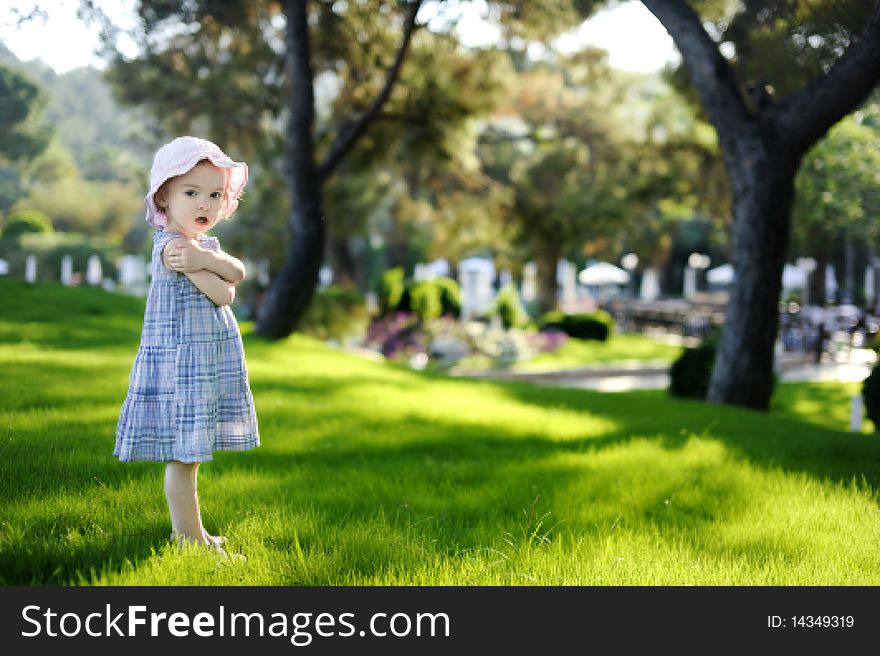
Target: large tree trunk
{"points": [[762, 144], [743, 371], [294, 285]]}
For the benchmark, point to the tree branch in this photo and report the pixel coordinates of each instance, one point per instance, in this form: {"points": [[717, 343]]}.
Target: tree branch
{"points": [[805, 116], [346, 139], [711, 73]]}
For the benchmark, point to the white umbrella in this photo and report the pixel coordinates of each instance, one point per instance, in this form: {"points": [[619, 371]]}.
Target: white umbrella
{"points": [[722, 275], [603, 273]]}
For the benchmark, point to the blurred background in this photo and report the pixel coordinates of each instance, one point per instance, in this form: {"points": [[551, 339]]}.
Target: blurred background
{"points": [[539, 171]]}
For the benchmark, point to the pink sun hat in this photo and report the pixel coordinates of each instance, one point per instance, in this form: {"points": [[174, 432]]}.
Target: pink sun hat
{"points": [[178, 157]]}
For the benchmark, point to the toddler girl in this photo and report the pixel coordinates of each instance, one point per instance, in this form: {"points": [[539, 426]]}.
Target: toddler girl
{"points": [[188, 394]]}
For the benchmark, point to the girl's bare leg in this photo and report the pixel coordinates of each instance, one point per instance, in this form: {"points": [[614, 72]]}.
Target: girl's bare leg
{"points": [[216, 540], [183, 502]]}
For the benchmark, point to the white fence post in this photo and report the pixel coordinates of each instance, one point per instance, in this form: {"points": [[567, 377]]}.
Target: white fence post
{"points": [[94, 273], [30, 268], [529, 291], [856, 411], [67, 270]]}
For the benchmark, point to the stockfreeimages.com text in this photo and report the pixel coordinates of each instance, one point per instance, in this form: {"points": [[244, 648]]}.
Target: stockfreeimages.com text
{"points": [[300, 628]]}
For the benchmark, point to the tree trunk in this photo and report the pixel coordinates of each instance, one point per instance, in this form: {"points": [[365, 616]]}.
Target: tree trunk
{"points": [[818, 292], [849, 268], [546, 281], [345, 269], [743, 371], [294, 285]]}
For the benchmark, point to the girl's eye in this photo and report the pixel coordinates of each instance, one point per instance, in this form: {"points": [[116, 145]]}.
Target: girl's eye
{"points": [[216, 194], [190, 193]]}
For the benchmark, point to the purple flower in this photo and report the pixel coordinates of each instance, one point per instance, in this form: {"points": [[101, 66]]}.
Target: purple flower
{"points": [[547, 341]]}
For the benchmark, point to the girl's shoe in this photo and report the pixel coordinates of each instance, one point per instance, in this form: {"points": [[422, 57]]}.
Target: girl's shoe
{"points": [[215, 543], [225, 554]]}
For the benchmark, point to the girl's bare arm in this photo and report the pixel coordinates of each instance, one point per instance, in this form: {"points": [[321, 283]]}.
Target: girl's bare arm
{"points": [[213, 286], [220, 291], [223, 264], [189, 257]]}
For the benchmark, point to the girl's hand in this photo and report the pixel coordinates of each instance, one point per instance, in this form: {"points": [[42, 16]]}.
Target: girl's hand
{"points": [[184, 256]]}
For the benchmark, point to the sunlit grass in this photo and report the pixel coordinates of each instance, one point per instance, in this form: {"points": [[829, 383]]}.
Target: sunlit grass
{"points": [[631, 349], [621, 347], [374, 474]]}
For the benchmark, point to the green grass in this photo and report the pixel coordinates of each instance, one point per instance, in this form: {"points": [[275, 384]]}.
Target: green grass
{"points": [[370, 473], [621, 347]]}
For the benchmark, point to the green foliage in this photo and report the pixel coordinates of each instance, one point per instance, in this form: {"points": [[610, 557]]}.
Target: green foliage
{"points": [[106, 141], [21, 222], [690, 374], [508, 308], [599, 151], [391, 289], [110, 209], [424, 299], [450, 296], [787, 43], [20, 139], [335, 313], [49, 248], [838, 185], [597, 325], [20, 101], [871, 397], [429, 299]]}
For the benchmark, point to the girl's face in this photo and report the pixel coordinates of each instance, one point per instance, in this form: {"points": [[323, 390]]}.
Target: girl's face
{"points": [[193, 200]]}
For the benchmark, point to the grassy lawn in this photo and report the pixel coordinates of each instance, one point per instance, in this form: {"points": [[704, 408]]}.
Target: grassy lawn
{"points": [[621, 348], [371, 473]]}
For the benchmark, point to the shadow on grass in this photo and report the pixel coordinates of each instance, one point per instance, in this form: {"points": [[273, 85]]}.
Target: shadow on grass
{"points": [[774, 441]]}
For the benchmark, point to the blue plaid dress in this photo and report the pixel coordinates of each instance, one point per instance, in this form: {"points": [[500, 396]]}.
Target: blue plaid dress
{"points": [[188, 394]]}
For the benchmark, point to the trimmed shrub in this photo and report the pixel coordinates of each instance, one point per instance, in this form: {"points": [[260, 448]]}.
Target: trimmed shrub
{"points": [[871, 397], [22, 222], [425, 299], [583, 325], [49, 249], [450, 296], [508, 308], [390, 291], [689, 374], [335, 313], [428, 299]]}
